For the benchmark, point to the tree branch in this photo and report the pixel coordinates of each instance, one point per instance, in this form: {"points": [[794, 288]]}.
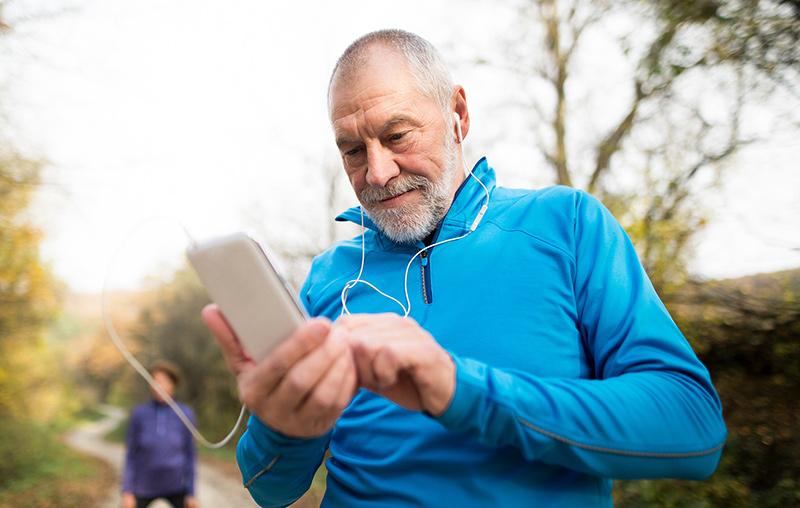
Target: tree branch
{"points": [[650, 65]]}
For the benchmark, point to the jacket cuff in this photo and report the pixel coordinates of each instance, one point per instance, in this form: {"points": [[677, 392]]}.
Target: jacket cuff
{"points": [[261, 447], [470, 392]]}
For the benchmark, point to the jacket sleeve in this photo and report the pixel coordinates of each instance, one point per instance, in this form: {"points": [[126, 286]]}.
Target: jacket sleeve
{"points": [[131, 448], [651, 410], [277, 469]]}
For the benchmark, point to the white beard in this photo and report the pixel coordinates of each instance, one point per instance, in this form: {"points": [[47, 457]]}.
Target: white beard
{"points": [[411, 223]]}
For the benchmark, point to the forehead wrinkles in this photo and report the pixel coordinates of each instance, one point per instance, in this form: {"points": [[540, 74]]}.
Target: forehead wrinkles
{"points": [[365, 117]]}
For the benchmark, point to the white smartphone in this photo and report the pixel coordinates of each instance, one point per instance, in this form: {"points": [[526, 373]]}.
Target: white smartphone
{"points": [[256, 301]]}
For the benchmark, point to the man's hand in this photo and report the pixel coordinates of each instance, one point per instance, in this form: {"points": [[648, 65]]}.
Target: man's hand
{"points": [[301, 388], [190, 502], [398, 359], [128, 500]]}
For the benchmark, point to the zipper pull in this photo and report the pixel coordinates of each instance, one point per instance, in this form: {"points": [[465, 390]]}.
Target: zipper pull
{"points": [[423, 258]]}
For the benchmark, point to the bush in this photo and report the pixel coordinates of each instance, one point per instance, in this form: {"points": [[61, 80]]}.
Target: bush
{"points": [[38, 471], [27, 450]]}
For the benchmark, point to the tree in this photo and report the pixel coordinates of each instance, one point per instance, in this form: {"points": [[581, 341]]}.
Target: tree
{"points": [[27, 296], [651, 159], [296, 255], [747, 332], [169, 327]]}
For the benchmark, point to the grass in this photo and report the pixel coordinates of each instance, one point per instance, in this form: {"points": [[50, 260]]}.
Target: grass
{"points": [[89, 414], [117, 434], [55, 477]]}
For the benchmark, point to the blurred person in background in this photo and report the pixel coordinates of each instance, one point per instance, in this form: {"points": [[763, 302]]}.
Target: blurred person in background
{"points": [[160, 460]]}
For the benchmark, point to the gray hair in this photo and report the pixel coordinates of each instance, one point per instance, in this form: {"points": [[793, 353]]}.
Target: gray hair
{"points": [[424, 61]]}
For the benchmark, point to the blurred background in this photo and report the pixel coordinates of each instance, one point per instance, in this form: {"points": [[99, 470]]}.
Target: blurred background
{"points": [[120, 121]]}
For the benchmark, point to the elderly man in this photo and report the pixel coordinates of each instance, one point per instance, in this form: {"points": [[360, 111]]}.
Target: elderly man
{"points": [[536, 361]]}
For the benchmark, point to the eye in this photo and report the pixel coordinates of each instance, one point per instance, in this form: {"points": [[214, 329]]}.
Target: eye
{"points": [[397, 136], [352, 151]]}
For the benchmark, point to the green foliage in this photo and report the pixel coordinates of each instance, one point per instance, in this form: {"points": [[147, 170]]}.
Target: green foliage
{"points": [[89, 414], [118, 433], [663, 147], [26, 450], [36, 470], [747, 332], [764, 34], [169, 327], [27, 295], [661, 239], [39, 471], [25, 285]]}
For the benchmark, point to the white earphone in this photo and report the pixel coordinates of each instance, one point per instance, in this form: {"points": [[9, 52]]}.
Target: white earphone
{"points": [[407, 307], [458, 128]]}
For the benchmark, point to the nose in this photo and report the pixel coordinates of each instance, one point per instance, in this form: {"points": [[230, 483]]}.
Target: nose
{"points": [[381, 166]]}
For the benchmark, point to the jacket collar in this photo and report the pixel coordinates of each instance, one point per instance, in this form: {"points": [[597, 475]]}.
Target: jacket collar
{"points": [[465, 207]]}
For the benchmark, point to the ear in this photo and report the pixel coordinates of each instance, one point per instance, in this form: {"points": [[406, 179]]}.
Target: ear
{"points": [[459, 105]]}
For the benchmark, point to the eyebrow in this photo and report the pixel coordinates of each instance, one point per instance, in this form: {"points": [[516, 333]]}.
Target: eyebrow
{"points": [[344, 140], [398, 120], [395, 120]]}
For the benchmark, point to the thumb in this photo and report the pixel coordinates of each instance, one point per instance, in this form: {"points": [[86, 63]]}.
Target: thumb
{"points": [[232, 349], [318, 328]]}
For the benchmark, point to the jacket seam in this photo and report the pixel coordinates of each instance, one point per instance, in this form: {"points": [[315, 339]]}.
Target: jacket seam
{"points": [[586, 446], [535, 237], [617, 451], [460, 220], [262, 471]]}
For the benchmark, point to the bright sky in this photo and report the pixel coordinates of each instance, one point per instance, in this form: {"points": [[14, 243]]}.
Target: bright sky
{"points": [[213, 115]]}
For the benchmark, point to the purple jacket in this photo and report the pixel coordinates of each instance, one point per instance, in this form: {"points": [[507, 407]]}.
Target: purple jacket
{"points": [[160, 458]]}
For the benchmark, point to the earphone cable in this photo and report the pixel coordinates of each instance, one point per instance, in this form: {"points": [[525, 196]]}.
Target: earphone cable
{"points": [[140, 369], [407, 308]]}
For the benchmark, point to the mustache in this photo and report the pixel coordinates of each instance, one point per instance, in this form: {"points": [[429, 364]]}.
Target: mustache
{"points": [[373, 195]]}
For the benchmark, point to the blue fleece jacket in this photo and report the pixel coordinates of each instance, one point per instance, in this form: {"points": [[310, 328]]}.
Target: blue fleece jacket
{"points": [[569, 369], [160, 457]]}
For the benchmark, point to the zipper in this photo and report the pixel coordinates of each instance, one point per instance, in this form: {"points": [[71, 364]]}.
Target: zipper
{"points": [[425, 265], [425, 274]]}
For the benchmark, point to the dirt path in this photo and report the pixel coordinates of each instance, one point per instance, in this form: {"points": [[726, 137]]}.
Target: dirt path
{"points": [[214, 488]]}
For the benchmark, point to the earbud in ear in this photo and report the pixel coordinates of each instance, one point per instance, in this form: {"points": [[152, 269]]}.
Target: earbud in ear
{"points": [[458, 126]]}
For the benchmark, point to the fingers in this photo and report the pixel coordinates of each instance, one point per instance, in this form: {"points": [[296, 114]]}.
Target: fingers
{"points": [[362, 356], [385, 366], [380, 345], [325, 401], [298, 383], [385, 320], [232, 350], [306, 339], [349, 387], [312, 394], [393, 356]]}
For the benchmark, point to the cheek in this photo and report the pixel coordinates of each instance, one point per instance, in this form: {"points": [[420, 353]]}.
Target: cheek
{"points": [[423, 160], [356, 182], [429, 147]]}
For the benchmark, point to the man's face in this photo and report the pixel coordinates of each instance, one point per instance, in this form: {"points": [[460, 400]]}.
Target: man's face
{"points": [[396, 147]]}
